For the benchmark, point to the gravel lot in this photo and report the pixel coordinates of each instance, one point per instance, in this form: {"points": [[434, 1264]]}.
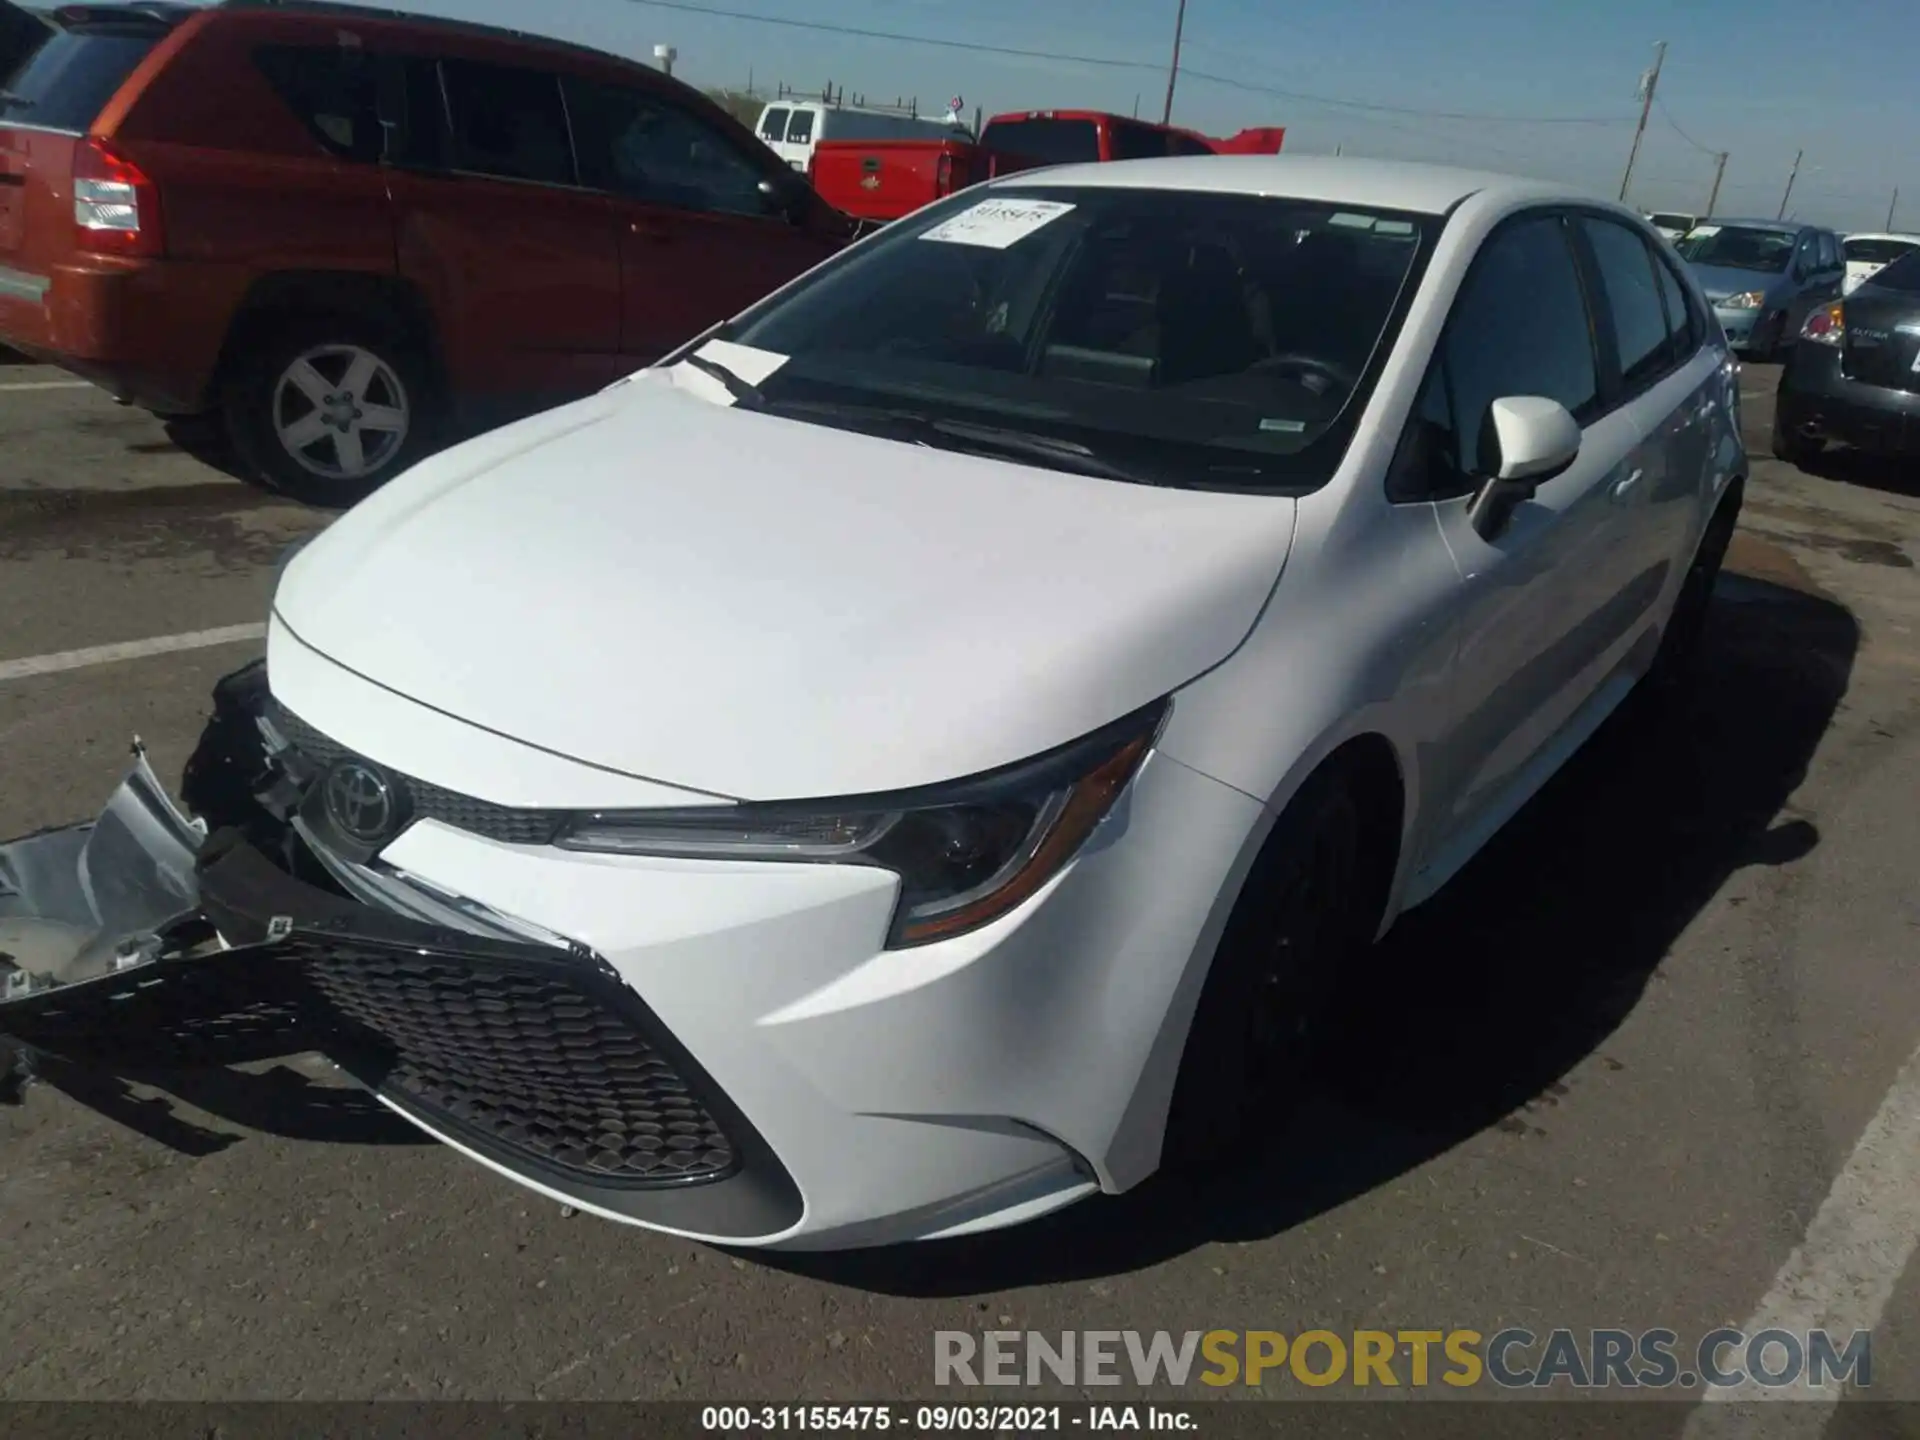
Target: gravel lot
{"points": [[1608, 1079]]}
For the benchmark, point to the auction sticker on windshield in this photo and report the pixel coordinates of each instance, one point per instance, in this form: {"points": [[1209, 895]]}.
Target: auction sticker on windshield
{"points": [[997, 224]]}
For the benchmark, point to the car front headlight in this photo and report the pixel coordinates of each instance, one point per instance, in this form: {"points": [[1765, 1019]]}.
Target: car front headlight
{"points": [[966, 853], [1745, 300]]}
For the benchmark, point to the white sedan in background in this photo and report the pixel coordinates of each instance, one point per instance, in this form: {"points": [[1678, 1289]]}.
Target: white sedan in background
{"points": [[917, 757], [1868, 254]]}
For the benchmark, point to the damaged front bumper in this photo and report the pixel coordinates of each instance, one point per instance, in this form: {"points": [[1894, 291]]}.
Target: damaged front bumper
{"points": [[534, 1058]]}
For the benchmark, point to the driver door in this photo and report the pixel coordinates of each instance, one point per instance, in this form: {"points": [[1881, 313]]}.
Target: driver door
{"points": [[1537, 596], [700, 238]]}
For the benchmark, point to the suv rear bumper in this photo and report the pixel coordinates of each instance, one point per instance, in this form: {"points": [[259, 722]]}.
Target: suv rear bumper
{"points": [[1817, 400], [148, 332]]}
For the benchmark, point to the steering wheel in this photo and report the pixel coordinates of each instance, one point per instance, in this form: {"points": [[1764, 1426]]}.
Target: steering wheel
{"points": [[1295, 363]]}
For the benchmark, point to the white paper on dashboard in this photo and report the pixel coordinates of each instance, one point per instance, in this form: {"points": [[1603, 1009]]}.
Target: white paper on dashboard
{"points": [[997, 224]]}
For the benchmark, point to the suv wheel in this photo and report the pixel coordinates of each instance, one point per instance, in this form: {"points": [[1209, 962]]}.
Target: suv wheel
{"points": [[328, 410], [1259, 1024]]}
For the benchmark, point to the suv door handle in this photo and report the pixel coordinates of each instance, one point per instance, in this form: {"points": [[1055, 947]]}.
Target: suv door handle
{"points": [[649, 231]]}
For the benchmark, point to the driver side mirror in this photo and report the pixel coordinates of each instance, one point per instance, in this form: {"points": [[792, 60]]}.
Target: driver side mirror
{"points": [[787, 199], [1525, 441]]}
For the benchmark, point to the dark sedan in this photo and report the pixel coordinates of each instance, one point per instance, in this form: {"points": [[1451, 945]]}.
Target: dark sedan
{"points": [[1855, 375]]}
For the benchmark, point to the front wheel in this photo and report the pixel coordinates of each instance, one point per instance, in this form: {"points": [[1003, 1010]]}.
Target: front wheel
{"points": [[1260, 1021], [326, 410]]}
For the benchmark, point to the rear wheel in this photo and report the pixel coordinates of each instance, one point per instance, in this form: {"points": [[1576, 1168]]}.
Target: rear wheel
{"points": [[1259, 1024], [327, 409], [1678, 656]]}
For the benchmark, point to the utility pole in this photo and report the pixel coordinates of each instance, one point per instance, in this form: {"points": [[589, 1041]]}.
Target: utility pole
{"points": [[1648, 84], [1173, 70], [1713, 197], [1893, 205], [1792, 175]]}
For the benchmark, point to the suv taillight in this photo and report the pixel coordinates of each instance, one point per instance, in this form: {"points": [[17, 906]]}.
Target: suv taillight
{"points": [[116, 207]]}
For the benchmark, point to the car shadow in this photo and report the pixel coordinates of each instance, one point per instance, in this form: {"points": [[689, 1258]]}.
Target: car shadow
{"points": [[1477, 1005], [1862, 468]]}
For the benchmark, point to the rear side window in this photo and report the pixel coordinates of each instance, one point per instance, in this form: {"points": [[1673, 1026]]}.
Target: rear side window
{"points": [[773, 126], [1683, 327], [1137, 142], [1632, 296], [508, 122], [67, 82], [334, 91], [800, 128]]}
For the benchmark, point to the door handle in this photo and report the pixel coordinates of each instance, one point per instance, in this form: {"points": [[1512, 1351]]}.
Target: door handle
{"points": [[645, 230], [1624, 488]]}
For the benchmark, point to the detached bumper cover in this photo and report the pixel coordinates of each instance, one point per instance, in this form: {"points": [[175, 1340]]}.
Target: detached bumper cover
{"points": [[534, 1058]]}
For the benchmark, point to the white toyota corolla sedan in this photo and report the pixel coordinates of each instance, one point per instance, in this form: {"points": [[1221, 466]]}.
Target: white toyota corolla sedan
{"points": [[916, 757]]}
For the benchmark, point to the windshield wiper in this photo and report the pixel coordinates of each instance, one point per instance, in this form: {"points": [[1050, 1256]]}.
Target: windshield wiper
{"points": [[1065, 454], [742, 390]]}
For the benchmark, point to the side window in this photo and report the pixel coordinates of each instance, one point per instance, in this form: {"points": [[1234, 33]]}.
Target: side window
{"points": [[773, 126], [1807, 255], [800, 128], [1829, 252], [1631, 295], [1137, 142], [647, 148], [507, 122], [335, 92], [1186, 145], [1683, 323], [1519, 327]]}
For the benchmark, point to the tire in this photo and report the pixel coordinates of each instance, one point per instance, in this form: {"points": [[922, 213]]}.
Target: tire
{"points": [[1677, 660], [357, 392], [1790, 445], [1259, 1024]]}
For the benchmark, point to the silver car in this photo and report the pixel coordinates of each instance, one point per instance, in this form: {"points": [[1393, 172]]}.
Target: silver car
{"points": [[1763, 277]]}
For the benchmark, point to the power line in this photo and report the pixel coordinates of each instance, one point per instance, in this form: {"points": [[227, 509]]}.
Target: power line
{"points": [[1110, 63], [1667, 115]]}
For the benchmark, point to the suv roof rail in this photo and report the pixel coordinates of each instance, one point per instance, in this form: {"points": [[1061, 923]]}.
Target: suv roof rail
{"points": [[346, 10]]}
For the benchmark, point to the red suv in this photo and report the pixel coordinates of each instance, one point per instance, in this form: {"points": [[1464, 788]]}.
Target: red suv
{"points": [[342, 230]]}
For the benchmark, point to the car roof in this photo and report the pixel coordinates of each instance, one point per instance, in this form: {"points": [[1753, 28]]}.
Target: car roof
{"points": [[1783, 227], [1379, 184], [373, 13], [1882, 235]]}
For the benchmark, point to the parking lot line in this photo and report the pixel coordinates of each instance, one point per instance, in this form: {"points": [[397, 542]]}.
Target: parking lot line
{"points": [[48, 385], [127, 650], [1843, 1274]]}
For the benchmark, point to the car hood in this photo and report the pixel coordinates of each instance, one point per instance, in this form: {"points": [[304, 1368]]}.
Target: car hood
{"points": [[1720, 281], [764, 609]]}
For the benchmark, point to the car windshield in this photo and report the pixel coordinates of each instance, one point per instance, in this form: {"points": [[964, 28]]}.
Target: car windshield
{"points": [[1181, 338], [1740, 247], [1878, 252]]}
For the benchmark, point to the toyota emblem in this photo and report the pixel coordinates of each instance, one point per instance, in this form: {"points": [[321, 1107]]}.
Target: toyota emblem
{"points": [[361, 802]]}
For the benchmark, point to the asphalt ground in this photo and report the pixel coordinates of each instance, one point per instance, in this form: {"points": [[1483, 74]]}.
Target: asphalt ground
{"points": [[1618, 1075]]}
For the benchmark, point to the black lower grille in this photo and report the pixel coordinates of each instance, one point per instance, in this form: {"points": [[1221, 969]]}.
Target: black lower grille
{"points": [[506, 823], [530, 1063]]}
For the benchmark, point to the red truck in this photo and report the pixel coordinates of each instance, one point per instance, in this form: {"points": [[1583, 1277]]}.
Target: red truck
{"points": [[886, 179]]}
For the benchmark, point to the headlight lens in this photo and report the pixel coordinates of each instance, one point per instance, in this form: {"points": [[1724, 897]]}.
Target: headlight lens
{"points": [[966, 853], [1746, 300]]}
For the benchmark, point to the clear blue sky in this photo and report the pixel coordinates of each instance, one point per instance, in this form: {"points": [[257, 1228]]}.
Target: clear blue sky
{"points": [[1759, 79]]}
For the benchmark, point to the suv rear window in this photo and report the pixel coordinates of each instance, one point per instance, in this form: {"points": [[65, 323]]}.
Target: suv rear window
{"points": [[1050, 142], [68, 81], [334, 91], [773, 126], [1903, 274]]}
